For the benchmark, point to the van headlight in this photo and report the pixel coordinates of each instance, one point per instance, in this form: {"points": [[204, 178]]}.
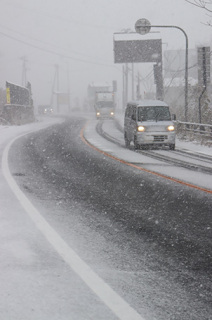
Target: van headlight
{"points": [[140, 128], [171, 128], [98, 113], [112, 113]]}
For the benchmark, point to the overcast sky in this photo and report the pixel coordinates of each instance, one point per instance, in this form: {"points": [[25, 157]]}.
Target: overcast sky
{"points": [[79, 34]]}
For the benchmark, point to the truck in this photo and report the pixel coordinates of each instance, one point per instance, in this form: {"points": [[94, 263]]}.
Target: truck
{"points": [[99, 94], [104, 105]]}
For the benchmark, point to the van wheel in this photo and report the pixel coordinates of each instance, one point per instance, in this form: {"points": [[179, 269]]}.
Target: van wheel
{"points": [[136, 145], [127, 142], [172, 146]]}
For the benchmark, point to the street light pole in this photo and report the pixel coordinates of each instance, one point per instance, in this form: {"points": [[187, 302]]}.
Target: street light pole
{"points": [[186, 65], [143, 26]]}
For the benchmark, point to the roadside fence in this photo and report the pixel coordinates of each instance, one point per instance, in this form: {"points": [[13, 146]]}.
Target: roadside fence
{"points": [[195, 132]]}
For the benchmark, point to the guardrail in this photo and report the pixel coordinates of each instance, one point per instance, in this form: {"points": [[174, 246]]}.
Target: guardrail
{"points": [[195, 131]]}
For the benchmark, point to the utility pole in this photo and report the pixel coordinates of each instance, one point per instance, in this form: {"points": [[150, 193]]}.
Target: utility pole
{"points": [[138, 90], [203, 73], [58, 87], [68, 89], [56, 83], [126, 83], [24, 70], [123, 86], [133, 96]]}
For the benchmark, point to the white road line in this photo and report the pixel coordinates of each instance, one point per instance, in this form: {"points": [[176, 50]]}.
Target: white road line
{"points": [[114, 302]]}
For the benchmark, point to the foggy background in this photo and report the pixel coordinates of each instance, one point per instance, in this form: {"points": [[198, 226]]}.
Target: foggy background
{"points": [[77, 35]]}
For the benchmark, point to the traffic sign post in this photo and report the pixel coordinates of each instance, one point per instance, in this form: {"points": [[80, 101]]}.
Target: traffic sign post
{"points": [[142, 26]]}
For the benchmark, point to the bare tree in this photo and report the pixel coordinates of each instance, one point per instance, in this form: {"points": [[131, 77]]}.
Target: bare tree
{"points": [[205, 5]]}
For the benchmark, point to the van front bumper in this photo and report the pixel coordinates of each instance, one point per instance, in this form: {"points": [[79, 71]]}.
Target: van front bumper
{"points": [[157, 138]]}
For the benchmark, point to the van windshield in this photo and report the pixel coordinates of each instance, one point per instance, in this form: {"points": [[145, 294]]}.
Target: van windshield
{"points": [[154, 113]]}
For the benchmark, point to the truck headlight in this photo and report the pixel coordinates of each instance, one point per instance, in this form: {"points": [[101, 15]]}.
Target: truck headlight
{"points": [[171, 128], [98, 113], [112, 113], [140, 128]]}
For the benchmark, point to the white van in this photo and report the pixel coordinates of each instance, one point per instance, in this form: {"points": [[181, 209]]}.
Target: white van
{"points": [[149, 123]]}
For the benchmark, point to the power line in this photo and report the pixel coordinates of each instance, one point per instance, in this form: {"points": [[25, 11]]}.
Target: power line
{"points": [[43, 42], [54, 52]]}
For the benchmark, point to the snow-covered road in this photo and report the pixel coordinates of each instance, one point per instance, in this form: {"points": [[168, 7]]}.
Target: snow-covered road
{"points": [[35, 282], [33, 272]]}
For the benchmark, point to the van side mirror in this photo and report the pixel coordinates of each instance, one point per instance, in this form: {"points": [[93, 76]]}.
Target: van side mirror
{"points": [[133, 117], [173, 116]]}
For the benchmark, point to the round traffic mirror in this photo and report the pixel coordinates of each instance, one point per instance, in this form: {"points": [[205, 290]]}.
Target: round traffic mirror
{"points": [[142, 26]]}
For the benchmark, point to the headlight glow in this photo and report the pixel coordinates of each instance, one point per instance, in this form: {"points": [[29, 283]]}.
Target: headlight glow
{"points": [[141, 128], [171, 128], [98, 113], [112, 113]]}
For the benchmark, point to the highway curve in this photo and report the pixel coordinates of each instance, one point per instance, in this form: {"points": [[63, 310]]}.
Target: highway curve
{"points": [[149, 238]]}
